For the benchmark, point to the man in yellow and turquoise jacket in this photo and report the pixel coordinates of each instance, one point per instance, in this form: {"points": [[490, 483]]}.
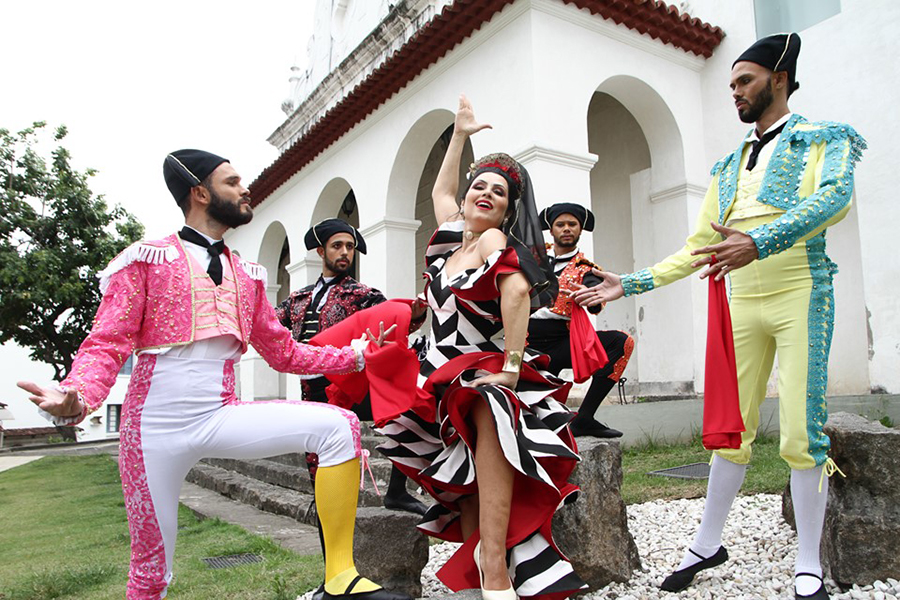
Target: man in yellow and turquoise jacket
{"points": [[772, 201]]}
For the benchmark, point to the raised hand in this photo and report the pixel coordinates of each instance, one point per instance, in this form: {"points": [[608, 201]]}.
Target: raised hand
{"points": [[606, 291], [465, 119], [379, 339], [59, 404], [738, 250]]}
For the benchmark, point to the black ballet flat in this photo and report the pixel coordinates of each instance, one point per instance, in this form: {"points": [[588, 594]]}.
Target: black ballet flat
{"points": [[819, 594], [406, 503], [380, 594], [592, 428], [679, 580]]}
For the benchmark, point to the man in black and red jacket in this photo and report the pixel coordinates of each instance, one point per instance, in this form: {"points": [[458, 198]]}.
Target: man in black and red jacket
{"points": [[548, 328], [334, 297]]}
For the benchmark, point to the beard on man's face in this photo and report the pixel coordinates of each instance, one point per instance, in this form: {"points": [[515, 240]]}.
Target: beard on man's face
{"points": [[227, 213], [337, 267], [755, 109], [567, 244]]}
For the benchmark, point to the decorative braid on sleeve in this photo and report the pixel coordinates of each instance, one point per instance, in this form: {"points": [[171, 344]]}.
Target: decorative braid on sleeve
{"points": [[638, 282], [844, 148]]}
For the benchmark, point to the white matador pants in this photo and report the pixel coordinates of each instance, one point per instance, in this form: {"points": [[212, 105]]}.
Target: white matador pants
{"points": [[178, 411]]}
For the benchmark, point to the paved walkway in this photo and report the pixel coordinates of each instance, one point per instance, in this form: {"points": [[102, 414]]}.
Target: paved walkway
{"points": [[9, 462]]}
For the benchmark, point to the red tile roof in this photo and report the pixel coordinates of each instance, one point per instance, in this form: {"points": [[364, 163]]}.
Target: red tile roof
{"points": [[435, 39]]}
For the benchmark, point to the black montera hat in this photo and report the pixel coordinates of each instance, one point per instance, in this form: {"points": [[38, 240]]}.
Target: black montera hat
{"points": [[777, 52], [551, 213], [319, 234], [184, 169]]}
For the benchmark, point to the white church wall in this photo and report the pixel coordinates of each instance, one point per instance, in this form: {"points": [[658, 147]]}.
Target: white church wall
{"points": [[843, 61]]}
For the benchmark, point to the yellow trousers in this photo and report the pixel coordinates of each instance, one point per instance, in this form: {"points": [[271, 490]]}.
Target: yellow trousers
{"points": [[784, 305]]}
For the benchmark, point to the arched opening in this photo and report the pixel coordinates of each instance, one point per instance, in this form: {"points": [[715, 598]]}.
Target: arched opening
{"points": [[338, 200], [615, 136], [412, 177], [640, 198], [275, 256], [424, 209]]}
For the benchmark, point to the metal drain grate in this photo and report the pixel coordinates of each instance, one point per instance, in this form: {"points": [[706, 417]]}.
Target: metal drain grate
{"points": [[692, 471], [235, 560]]}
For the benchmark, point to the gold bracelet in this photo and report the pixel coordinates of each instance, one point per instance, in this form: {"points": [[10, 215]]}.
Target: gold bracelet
{"points": [[512, 361]]}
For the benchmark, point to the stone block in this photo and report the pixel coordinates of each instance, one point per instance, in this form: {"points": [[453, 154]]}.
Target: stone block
{"points": [[593, 532], [862, 521], [389, 549]]}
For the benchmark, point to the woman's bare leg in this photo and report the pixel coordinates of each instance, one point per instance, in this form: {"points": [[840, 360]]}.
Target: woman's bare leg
{"points": [[495, 480], [468, 515]]}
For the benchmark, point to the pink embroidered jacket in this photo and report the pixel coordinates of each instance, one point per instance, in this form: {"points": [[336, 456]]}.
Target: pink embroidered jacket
{"points": [[147, 304]]}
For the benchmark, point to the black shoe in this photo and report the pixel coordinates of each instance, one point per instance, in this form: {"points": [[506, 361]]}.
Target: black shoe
{"points": [[819, 594], [406, 503], [679, 580], [592, 428], [319, 594], [380, 594]]}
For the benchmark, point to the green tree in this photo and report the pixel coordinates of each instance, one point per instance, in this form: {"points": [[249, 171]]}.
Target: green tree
{"points": [[55, 234]]}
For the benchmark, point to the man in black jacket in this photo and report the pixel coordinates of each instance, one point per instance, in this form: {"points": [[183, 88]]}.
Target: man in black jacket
{"points": [[334, 297]]}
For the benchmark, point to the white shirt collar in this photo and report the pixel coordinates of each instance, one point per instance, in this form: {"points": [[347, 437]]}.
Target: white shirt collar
{"points": [[774, 125], [208, 239]]}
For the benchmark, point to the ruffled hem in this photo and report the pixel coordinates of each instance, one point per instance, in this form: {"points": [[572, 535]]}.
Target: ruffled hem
{"points": [[533, 433]]}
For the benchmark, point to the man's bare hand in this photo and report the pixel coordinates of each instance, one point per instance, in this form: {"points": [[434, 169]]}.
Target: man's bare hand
{"points": [[736, 251], [418, 308], [606, 291], [58, 404], [379, 339]]}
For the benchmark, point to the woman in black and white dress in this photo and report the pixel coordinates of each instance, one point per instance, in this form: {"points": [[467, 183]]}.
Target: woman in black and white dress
{"points": [[492, 444]]}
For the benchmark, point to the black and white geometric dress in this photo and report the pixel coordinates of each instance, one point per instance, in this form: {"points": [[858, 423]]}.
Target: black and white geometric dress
{"points": [[436, 449]]}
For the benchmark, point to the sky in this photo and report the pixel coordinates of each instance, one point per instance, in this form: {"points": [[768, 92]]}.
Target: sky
{"points": [[135, 81]]}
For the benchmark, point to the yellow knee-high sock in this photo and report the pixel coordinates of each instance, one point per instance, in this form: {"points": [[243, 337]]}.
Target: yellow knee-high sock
{"points": [[337, 493]]}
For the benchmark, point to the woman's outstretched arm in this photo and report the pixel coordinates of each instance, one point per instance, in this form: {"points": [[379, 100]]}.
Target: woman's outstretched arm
{"points": [[446, 186]]}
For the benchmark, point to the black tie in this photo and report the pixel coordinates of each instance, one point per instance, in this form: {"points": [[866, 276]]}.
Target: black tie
{"points": [[326, 285], [215, 261], [757, 145]]}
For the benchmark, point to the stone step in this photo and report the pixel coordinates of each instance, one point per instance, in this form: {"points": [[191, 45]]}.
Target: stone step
{"points": [[264, 496], [297, 478]]}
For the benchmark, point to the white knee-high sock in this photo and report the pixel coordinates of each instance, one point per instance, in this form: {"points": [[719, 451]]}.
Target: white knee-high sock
{"points": [[725, 479], [809, 513]]}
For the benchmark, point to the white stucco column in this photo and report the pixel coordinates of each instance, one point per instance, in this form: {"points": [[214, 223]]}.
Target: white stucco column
{"points": [[305, 271], [390, 264]]}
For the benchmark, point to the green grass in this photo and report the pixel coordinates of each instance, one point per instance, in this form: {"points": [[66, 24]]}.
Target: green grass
{"points": [[768, 473], [65, 536]]}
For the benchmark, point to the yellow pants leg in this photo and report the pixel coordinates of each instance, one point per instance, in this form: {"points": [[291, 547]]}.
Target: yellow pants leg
{"points": [[787, 299], [337, 494], [754, 351]]}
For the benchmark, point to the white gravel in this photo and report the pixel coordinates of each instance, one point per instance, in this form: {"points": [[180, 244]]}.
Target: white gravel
{"points": [[760, 544]]}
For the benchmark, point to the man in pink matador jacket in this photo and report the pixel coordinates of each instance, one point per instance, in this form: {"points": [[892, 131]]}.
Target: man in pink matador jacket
{"points": [[189, 308]]}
